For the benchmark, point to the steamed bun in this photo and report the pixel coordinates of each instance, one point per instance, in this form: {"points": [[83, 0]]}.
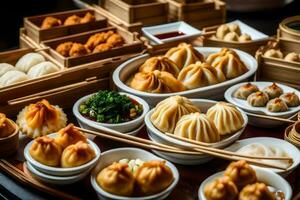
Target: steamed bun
{"points": [[12, 77], [42, 69], [5, 67], [29, 60]]}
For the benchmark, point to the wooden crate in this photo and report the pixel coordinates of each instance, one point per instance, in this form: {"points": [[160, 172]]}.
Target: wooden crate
{"points": [[199, 13], [280, 70], [285, 32], [32, 25]]}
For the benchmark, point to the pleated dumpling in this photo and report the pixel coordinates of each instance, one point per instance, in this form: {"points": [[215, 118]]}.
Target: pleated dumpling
{"points": [[5, 67], [12, 77], [29, 60], [6, 126], [197, 126], [245, 90], [42, 69], [256, 191], [273, 91], [156, 82], [160, 63], [273, 53], [277, 105], [184, 54], [221, 189], [291, 99], [258, 99], [200, 75], [167, 113], [227, 118]]}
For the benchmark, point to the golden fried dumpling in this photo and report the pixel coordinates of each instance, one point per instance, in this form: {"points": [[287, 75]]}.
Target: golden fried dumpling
{"points": [[160, 63], [273, 91], [153, 177], [184, 54], [102, 48], [41, 118], [292, 57], [74, 19], [78, 49], [116, 179], [156, 82], [258, 99], [222, 31], [277, 105], [273, 53], [88, 17], [200, 75], [291, 99], [6, 126], [245, 90], [227, 118], [167, 112], [231, 37], [256, 191], [240, 173], [64, 48], [77, 154], [197, 126], [97, 39], [46, 151], [235, 28], [115, 40], [69, 135], [50, 22], [221, 189], [245, 38]]}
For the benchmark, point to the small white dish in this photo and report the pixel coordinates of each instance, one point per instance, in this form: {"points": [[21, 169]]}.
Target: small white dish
{"points": [[181, 26], [126, 127], [59, 171], [290, 149], [263, 175], [114, 155]]}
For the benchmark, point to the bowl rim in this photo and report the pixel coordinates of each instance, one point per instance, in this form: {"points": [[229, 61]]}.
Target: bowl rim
{"points": [[252, 68], [57, 170], [283, 25], [100, 191]]}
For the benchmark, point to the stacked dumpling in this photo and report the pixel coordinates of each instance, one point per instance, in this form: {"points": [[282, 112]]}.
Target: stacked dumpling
{"points": [[231, 33]]}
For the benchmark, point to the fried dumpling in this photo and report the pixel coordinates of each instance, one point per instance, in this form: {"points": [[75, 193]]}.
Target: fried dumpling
{"points": [[222, 31], [200, 75], [12, 77], [160, 63], [50, 22], [115, 40], [117, 179], [64, 48], [78, 50], [240, 173], [221, 189], [292, 57], [273, 91], [41, 118], [256, 191], [184, 54], [5, 67], [231, 37], [29, 60], [73, 19], [6, 126], [197, 126], [245, 90], [167, 113], [291, 99], [77, 154], [245, 38], [102, 48], [277, 105], [153, 177], [258, 99], [88, 17], [69, 135], [156, 82], [97, 39], [273, 53], [42, 69], [45, 150], [227, 118]]}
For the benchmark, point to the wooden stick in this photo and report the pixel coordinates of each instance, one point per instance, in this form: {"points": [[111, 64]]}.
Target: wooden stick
{"points": [[41, 49], [271, 117]]}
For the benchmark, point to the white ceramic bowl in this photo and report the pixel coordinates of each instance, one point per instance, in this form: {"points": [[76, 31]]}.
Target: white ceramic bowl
{"points": [[125, 70], [121, 127], [290, 149], [59, 171], [114, 155], [263, 175]]}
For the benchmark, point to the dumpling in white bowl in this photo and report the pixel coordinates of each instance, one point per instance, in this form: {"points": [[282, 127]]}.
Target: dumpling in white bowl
{"points": [[29, 60], [12, 77], [42, 69], [5, 67]]}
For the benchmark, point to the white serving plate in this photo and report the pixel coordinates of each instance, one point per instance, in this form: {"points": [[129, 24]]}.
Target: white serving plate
{"points": [[125, 70], [263, 175], [114, 155], [290, 149], [59, 171], [181, 26]]}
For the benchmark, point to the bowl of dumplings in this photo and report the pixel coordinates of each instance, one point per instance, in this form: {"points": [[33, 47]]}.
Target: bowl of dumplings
{"points": [[67, 153], [132, 173], [201, 72], [266, 98], [215, 124], [241, 181]]}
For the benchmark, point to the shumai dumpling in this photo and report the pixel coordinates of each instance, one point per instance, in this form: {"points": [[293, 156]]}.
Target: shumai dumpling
{"points": [[77, 154], [277, 105], [41, 118], [74, 19], [258, 99], [231, 37], [6, 126], [221, 189], [50, 22], [64, 48], [245, 90], [184, 54], [69, 135], [200, 75], [153, 177], [291, 99], [292, 57], [160, 63], [46, 151], [240, 173], [197, 126], [5, 67], [167, 113], [42, 69], [12, 77], [29, 60], [273, 91], [116, 179], [245, 38], [88, 17], [227, 118], [78, 50], [256, 191], [273, 53], [156, 82], [97, 39], [115, 40], [222, 31]]}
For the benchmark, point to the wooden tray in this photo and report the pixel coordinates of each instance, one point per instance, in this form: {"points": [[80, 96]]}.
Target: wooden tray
{"points": [[32, 25]]}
